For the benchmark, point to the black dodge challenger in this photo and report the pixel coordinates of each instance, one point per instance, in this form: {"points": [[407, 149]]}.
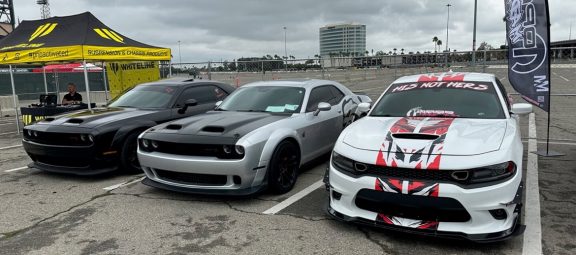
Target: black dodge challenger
{"points": [[104, 139]]}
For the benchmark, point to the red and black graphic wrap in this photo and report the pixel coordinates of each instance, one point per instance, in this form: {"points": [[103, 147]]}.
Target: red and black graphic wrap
{"points": [[415, 188], [428, 157]]}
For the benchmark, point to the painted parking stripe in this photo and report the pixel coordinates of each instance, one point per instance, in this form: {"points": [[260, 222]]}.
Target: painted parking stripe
{"points": [[533, 235], [7, 133], [126, 183], [279, 207], [11, 147], [16, 169]]}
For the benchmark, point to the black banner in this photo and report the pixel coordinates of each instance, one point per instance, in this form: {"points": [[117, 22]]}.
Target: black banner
{"points": [[528, 35]]}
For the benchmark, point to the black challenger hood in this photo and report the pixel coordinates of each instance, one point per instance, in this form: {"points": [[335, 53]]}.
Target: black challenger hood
{"points": [[98, 116], [221, 124]]}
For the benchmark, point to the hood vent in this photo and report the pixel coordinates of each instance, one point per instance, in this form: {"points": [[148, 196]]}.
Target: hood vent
{"points": [[213, 129], [174, 127], [49, 119], [415, 136], [75, 121]]}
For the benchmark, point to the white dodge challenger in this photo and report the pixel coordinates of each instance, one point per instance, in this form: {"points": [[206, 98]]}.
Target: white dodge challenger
{"points": [[438, 154]]}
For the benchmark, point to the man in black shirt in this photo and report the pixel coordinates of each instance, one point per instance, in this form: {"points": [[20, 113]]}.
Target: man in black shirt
{"points": [[72, 97]]}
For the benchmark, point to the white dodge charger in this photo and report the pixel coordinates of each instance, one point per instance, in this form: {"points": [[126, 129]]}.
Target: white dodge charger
{"points": [[438, 154]]}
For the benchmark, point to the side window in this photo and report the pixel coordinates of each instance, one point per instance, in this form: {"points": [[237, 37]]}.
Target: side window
{"points": [[504, 94], [317, 95], [202, 94], [338, 95]]}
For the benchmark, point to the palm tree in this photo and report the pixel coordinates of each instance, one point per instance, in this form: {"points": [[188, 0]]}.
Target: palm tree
{"points": [[395, 51], [402, 51], [435, 41], [439, 43]]}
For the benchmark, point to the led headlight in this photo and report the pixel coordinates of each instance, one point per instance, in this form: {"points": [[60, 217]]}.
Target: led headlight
{"points": [[227, 149], [145, 143], [91, 138], [154, 144], [239, 149], [342, 163], [29, 132], [83, 137], [35, 134], [492, 172]]}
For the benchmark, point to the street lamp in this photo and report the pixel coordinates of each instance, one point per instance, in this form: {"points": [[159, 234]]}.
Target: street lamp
{"points": [[447, 22], [285, 51], [179, 55]]}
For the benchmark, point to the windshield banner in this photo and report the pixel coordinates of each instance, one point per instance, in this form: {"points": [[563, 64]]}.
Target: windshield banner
{"points": [[527, 33]]}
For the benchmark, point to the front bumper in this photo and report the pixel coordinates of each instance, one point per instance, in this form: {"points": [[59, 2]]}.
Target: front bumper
{"points": [[204, 175], [77, 160], [348, 194]]}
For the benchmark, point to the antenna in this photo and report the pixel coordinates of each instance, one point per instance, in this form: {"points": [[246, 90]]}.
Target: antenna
{"points": [[44, 8]]}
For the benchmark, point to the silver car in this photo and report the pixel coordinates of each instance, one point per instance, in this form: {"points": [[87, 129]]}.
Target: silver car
{"points": [[257, 137]]}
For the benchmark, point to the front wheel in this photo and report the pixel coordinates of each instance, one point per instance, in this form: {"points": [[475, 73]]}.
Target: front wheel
{"points": [[284, 167], [128, 157]]}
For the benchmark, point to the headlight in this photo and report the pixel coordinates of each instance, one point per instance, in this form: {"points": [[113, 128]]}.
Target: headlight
{"points": [[29, 132], [84, 138], [91, 138], [342, 163], [154, 144], [227, 149], [493, 172], [239, 149], [35, 134], [145, 143]]}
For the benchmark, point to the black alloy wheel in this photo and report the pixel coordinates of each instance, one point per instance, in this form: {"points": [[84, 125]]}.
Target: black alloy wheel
{"points": [[284, 167], [129, 158]]}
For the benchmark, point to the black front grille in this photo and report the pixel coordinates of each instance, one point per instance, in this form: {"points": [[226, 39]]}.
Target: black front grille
{"points": [[190, 178], [411, 174], [50, 138], [428, 208], [206, 150]]}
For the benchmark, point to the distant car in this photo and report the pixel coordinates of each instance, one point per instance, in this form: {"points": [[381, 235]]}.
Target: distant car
{"points": [[257, 138], [438, 154], [104, 139]]}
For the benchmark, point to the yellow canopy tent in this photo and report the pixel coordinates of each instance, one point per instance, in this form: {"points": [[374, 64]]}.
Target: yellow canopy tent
{"points": [[80, 37]]}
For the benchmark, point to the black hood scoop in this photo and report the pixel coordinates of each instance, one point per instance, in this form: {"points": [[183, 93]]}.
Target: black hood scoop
{"points": [[213, 129], [174, 127], [75, 121], [415, 136]]}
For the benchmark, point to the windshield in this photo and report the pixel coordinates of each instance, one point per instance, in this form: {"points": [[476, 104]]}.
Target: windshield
{"points": [[155, 96], [264, 99], [440, 99]]}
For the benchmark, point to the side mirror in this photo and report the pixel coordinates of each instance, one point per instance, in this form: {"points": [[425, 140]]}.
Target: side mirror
{"points": [[322, 107], [218, 103], [521, 108], [188, 103], [362, 109]]}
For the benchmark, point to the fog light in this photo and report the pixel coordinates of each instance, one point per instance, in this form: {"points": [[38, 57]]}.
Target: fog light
{"points": [[499, 214], [237, 180], [336, 195]]}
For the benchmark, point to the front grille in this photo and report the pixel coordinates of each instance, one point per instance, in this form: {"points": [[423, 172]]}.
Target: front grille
{"points": [[65, 162], [427, 208], [206, 150], [411, 174], [190, 178], [50, 138]]}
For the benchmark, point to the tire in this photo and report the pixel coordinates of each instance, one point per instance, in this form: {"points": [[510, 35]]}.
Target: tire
{"points": [[283, 167], [128, 156]]}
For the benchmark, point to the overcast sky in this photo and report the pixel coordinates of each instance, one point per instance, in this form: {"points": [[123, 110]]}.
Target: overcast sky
{"points": [[229, 29]]}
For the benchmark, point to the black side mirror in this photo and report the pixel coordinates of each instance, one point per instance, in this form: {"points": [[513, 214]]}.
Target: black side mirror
{"points": [[188, 103]]}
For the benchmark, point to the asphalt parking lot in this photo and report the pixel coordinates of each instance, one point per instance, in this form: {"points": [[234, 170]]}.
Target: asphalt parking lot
{"points": [[43, 213]]}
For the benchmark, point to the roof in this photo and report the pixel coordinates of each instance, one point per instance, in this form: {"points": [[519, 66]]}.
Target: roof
{"points": [[72, 38], [184, 81], [447, 76], [303, 83]]}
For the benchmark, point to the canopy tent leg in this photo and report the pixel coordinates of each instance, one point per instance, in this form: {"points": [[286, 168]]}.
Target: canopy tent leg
{"points": [[87, 85], [170, 70], [105, 81], [45, 82], [14, 98]]}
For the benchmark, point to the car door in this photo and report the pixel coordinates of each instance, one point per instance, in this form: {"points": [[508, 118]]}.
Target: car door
{"points": [[205, 95], [320, 131]]}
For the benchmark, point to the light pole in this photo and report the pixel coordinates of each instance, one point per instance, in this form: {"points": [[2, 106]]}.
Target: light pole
{"points": [[285, 51], [474, 35], [447, 22], [179, 55]]}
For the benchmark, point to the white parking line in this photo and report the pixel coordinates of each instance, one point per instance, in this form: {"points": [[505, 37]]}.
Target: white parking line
{"points": [[10, 147], [279, 207], [564, 78], [16, 169], [115, 186], [7, 133], [533, 234]]}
